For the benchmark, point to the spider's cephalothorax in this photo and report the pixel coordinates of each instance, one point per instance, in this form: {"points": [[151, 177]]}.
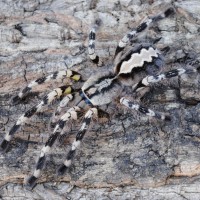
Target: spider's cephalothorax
{"points": [[102, 88], [138, 67]]}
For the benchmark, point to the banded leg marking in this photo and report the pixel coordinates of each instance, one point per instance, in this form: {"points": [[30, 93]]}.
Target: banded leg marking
{"points": [[86, 122], [143, 109], [91, 47], [55, 94], [143, 26], [154, 79], [63, 103], [69, 115], [58, 76]]}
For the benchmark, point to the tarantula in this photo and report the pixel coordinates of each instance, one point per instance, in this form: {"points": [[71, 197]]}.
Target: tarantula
{"points": [[138, 67]]}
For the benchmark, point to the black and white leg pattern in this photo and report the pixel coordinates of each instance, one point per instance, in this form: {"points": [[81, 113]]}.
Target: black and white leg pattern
{"points": [[144, 110], [92, 112], [55, 94], [166, 75], [91, 47], [143, 26], [71, 114], [147, 81], [63, 103], [57, 76]]}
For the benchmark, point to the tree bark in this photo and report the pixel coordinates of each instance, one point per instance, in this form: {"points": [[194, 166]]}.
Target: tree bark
{"points": [[130, 157]]}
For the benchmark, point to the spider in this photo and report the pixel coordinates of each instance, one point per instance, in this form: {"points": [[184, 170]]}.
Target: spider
{"points": [[138, 67]]}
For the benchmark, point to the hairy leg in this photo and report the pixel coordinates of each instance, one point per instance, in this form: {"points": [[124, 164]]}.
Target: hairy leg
{"points": [[142, 86], [149, 80], [55, 94], [58, 76], [71, 114], [142, 27], [85, 125], [144, 110], [91, 47], [63, 103]]}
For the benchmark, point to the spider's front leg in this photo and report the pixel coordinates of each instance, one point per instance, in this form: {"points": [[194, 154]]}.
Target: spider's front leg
{"points": [[55, 94], [71, 114], [92, 112], [63, 104], [57, 76]]}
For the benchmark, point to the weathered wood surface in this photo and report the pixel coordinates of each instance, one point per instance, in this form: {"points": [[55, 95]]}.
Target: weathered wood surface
{"points": [[132, 157]]}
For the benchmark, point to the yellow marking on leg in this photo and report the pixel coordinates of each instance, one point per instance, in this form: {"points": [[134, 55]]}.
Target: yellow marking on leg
{"points": [[68, 90], [73, 75], [76, 77]]}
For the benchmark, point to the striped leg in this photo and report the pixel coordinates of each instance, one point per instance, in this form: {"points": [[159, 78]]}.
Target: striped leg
{"points": [[63, 103], [86, 122], [71, 114], [154, 79], [58, 76], [143, 110], [143, 26], [91, 46], [55, 94]]}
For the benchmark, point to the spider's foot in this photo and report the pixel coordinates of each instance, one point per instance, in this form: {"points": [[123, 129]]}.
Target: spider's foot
{"points": [[31, 182], [4, 145], [61, 170]]}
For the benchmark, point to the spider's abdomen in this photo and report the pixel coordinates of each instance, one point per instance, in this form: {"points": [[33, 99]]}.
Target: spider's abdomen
{"points": [[143, 57], [101, 89]]}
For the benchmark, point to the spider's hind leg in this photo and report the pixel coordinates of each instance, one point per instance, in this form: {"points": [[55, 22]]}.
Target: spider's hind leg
{"points": [[142, 27], [149, 80], [144, 84], [144, 110]]}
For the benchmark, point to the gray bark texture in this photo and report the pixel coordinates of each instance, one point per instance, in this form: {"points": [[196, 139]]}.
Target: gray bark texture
{"points": [[131, 156]]}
